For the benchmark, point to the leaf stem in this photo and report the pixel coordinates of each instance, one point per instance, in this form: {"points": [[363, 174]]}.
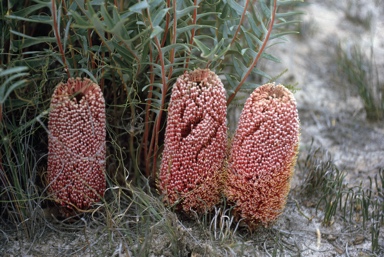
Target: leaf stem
{"points": [[241, 22], [261, 50], [193, 31], [57, 35]]}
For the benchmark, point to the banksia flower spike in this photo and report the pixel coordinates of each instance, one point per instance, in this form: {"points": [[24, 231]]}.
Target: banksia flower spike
{"points": [[76, 154], [195, 142], [263, 155]]}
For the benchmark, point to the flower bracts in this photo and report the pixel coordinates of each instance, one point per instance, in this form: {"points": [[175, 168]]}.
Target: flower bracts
{"points": [[195, 142], [263, 154], [76, 157]]}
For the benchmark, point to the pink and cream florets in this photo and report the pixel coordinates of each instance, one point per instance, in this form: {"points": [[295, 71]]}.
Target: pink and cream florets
{"points": [[195, 142]]}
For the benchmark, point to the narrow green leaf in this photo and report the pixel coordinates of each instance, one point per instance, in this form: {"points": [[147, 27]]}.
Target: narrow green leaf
{"points": [[253, 25], [190, 27], [225, 11], [266, 11], [137, 8], [288, 2], [277, 35], [185, 11], [289, 14], [39, 19], [30, 41], [211, 14], [30, 9], [270, 57], [107, 18], [80, 22], [285, 23], [231, 80], [156, 31], [159, 17], [261, 73], [235, 6], [6, 72], [12, 88], [159, 85], [202, 47]]}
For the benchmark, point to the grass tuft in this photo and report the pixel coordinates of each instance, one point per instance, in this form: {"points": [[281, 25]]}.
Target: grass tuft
{"points": [[360, 71], [335, 199]]}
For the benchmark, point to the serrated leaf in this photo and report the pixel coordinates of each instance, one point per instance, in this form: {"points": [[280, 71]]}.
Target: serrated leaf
{"points": [[202, 47]]}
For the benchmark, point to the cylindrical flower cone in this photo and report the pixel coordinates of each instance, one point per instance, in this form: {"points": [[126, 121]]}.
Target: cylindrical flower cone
{"points": [[76, 154], [263, 155], [195, 142]]}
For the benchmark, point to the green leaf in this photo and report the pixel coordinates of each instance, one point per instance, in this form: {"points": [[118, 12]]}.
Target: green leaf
{"points": [[289, 14], [139, 7], [5, 93], [181, 13], [235, 6], [156, 31], [107, 18], [266, 11], [9, 71], [34, 18], [277, 35], [159, 17], [30, 9], [202, 47], [30, 41], [190, 27], [261, 73]]}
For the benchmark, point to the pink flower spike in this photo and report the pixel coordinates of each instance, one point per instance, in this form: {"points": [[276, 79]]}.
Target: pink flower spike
{"points": [[76, 152], [263, 155], [195, 142]]}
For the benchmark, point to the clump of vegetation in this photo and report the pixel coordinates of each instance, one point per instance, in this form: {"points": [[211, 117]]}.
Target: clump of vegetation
{"points": [[360, 71], [325, 184], [134, 51]]}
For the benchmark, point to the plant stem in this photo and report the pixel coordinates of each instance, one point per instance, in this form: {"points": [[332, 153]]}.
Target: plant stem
{"points": [[261, 50], [57, 35]]}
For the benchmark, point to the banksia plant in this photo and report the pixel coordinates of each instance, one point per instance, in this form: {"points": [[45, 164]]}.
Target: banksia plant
{"points": [[195, 142], [263, 155], [76, 154]]}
